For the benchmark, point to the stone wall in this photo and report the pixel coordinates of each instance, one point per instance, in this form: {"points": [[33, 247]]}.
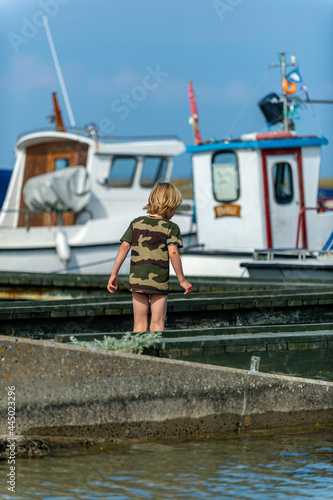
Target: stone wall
{"points": [[63, 391]]}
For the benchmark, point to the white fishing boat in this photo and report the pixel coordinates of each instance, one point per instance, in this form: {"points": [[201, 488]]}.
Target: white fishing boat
{"points": [[72, 195], [255, 193], [259, 193]]}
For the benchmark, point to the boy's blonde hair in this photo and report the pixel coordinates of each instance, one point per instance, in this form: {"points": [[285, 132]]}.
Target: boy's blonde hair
{"points": [[163, 197]]}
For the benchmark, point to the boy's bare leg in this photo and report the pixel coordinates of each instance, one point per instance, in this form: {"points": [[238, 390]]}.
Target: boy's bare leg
{"points": [[140, 311], [158, 306]]}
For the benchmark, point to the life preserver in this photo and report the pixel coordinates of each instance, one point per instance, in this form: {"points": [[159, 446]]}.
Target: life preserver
{"points": [[288, 87]]}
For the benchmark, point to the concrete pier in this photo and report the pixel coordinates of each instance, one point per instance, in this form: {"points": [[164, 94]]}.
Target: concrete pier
{"points": [[66, 395], [304, 350]]}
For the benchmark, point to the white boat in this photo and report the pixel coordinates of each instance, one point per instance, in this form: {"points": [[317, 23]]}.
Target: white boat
{"points": [[72, 194], [256, 193], [119, 176]]}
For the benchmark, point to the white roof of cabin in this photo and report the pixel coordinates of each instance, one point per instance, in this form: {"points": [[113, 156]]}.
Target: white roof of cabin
{"points": [[168, 146]]}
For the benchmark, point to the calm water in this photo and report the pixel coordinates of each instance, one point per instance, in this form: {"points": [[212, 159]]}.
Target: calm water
{"points": [[286, 466]]}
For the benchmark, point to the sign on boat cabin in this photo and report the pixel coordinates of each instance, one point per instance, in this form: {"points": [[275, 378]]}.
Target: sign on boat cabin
{"points": [[255, 192]]}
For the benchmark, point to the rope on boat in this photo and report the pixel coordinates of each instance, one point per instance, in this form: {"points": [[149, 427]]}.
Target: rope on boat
{"points": [[240, 114]]}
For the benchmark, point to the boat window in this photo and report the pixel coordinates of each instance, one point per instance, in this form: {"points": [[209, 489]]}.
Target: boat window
{"points": [[283, 183], [61, 163], [122, 171], [154, 168], [225, 176]]}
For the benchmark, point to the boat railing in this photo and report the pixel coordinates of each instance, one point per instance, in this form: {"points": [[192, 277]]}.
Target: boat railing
{"points": [[325, 200], [300, 254], [57, 214], [301, 218], [83, 132]]}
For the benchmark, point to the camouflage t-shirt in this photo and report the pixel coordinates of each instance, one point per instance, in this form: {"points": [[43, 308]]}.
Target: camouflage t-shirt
{"points": [[150, 237]]}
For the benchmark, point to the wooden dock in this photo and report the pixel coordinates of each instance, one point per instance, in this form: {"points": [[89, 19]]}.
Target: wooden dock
{"points": [[44, 319], [41, 286]]}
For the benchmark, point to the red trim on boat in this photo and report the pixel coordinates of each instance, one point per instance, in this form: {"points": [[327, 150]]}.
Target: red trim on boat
{"points": [[275, 152], [301, 197], [269, 242]]}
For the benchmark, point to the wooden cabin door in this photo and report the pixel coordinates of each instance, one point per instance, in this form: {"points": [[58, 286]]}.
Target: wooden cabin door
{"points": [[283, 196], [46, 158]]}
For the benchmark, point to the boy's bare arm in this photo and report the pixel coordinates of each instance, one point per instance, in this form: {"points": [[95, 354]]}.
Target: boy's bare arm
{"points": [[121, 256], [178, 268]]}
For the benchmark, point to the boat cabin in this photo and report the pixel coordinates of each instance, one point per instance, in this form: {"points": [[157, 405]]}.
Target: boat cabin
{"points": [[120, 174], [258, 192]]}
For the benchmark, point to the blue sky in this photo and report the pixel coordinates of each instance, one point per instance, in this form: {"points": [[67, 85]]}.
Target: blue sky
{"points": [[126, 65]]}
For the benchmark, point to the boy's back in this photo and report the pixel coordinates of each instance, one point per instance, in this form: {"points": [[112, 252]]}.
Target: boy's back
{"points": [[149, 237], [154, 240]]}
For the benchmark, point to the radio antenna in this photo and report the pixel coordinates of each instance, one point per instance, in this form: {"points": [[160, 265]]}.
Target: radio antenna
{"points": [[59, 73]]}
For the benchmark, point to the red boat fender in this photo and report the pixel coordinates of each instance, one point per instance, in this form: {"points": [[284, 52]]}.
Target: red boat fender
{"points": [[257, 136], [274, 135]]}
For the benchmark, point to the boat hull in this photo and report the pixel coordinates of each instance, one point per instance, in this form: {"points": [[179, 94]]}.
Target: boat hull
{"points": [[97, 259], [219, 263], [84, 259], [317, 270]]}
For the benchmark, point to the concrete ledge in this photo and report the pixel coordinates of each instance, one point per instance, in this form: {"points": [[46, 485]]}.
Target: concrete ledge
{"points": [[66, 391]]}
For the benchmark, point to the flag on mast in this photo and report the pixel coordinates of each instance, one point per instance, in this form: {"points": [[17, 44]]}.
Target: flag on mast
{"points": [[305, 90], [194, 114], [294, 76]]}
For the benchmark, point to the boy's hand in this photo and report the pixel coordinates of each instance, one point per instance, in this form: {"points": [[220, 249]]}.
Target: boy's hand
{"points": [[113, 283], [187, 287]]}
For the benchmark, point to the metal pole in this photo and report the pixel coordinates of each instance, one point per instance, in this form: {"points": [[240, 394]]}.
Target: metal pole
{"points": [[285, 102], [59, 73]]}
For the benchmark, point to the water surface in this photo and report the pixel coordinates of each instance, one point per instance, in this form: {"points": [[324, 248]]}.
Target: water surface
{"points": [[282, 466]]}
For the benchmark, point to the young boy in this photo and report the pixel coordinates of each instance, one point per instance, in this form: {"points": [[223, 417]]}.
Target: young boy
{"points": [[154, 240]]}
